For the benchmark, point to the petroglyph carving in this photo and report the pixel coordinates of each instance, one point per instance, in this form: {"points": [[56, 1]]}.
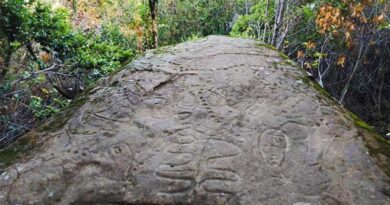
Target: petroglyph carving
{"points": [[201, 168], [273, 147], [217, 121]]}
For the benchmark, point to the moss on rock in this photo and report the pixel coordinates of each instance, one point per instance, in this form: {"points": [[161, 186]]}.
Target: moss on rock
{"points": [[261, 44], [60, 119], [17, 151]]}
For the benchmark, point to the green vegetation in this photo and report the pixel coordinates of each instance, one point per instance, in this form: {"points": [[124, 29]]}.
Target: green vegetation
{"points": [[46, 62]]}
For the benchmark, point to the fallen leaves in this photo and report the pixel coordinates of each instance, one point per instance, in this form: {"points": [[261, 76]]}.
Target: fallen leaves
{"points": [[341, 61], [300, 54], [310, 45], [378, 19]]}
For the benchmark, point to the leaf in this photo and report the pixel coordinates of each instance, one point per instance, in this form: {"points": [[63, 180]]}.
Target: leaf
{"points": [[308, 65], [310, 45], [357, 10], [300, 54], [378, 19], [341, 61]]}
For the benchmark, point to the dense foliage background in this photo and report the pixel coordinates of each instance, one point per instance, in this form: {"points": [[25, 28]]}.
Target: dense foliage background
{"points": [[51, 50]]}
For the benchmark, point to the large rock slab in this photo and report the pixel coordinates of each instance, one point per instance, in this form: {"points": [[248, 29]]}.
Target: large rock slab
{"points": [[217, 121]]}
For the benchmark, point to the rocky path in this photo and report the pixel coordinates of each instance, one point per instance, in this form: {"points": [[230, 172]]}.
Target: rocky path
{"points": [[217, 121]]}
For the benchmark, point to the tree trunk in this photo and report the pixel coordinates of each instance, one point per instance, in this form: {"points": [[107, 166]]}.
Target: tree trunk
{"points": [[34, 56], [7, 63], [279, 15], [75, 8], [381, 80], [266, 23], [153, 15], [246, 7], [355, 68]]}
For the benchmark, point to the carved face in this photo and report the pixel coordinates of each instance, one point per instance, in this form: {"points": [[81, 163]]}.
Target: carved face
{"points": [[273, 145]]}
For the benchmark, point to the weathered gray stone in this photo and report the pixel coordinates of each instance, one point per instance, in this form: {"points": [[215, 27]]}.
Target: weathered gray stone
{"points": [[216, 121]]}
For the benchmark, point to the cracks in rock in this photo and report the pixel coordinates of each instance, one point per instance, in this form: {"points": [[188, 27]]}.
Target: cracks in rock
{"points": [[240, 47], [11, 185], [144, 127], [220, 54], [112, 105], [139, 87], [240, 65], [69, 139], [136, 69], [325, 150], [161, 84], [218, 94], [172, 78], [107, 118], [200, 162]]}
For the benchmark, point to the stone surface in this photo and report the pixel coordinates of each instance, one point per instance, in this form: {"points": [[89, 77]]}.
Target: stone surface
{"points": [[217, 121]]}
